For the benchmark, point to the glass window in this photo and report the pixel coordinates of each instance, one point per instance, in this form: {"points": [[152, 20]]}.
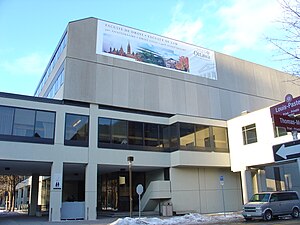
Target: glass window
{"points": [[202, 136], [104, 130], [187, 135], [174, 143], [220, 138], [24, 122], [279, 131], [77, 130], [151, 134], [6, 120], [44, 126], [119, 131], [164, 136], [135, 133], [249, 134]]}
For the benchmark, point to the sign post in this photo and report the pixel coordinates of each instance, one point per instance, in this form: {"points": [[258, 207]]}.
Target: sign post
{"points": [[139, 191], [222, 186]]}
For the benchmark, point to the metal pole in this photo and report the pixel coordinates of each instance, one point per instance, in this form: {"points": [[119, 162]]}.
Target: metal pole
{"points": [[139, 206], [223, 200], [130, 190]]}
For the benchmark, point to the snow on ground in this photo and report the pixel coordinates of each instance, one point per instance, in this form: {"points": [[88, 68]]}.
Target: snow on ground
{"points": [[188, 219]]}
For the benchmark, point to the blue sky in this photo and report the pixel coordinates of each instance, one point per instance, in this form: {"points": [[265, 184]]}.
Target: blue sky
{"points": [[31, 29]]}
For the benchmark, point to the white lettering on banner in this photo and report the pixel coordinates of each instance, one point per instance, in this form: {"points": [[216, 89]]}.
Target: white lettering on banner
{"points": [[130, 44]]}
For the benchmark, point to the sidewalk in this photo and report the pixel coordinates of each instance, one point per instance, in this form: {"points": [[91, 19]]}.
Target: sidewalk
{"points": [[17, 218]]}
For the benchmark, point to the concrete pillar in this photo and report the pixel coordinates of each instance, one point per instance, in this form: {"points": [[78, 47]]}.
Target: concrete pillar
{"points": [[34, 194], [262, 180], [91, 191], [56, 191], [246, 185]]}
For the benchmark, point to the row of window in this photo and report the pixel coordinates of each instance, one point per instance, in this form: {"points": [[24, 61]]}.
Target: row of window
{"points": [[27, 124], [57, 83], [51, 65], [129, 134]]}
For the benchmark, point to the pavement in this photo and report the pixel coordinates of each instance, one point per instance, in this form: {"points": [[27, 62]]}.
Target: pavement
{"points": [[19, 218]]}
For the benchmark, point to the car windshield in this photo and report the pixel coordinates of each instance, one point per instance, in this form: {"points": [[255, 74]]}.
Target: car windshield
{"points": [[260, 198]]}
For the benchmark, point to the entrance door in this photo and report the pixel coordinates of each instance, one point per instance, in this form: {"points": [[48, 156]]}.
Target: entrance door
{"points": [[109, 196]]}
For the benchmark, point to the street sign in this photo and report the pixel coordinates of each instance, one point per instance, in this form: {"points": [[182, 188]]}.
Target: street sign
{"points": [[285, 114], [289, 123], [289, 150], [139, 189], [289, 106]]}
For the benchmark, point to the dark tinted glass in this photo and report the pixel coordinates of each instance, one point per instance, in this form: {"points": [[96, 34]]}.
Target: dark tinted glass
{"points": [[104, 130], [24, 122], [174, 136], [119, 131], [44, 126], [164, 136], [135, 133], [6, 120], [151, 134]]}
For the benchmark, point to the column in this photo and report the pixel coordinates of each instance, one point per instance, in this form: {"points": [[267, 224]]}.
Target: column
{"points": [[34, 194], [56, 191], [246, 185], [262, 180], [91, 191]]}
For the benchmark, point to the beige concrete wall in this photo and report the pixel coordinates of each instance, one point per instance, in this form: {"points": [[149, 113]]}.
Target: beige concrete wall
{"points": [[199, 190], [241, 85]]}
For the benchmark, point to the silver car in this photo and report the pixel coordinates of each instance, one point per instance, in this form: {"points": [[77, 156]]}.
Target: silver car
{"points": [[268, 205]]}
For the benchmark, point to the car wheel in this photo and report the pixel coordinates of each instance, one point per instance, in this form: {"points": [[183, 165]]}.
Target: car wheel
{"points": [[295, 213], [268, 215]]}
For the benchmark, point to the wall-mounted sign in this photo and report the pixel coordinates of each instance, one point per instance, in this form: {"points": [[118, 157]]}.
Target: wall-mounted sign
{"points": [[127, 43], [57, 181]]}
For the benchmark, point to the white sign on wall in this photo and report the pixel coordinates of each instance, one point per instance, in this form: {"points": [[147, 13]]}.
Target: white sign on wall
{"points": [[131, 44], [57, 181]]}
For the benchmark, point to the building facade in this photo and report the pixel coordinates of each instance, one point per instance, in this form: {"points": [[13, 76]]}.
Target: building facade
{"points": [[110, 92]]}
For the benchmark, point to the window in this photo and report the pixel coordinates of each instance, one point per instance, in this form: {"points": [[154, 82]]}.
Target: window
{"points": [[104, 130], [202, 137], [77, 130], [249, 134], [28, 125], [174, 142], [119, 131], [24, 122], [135, 133], [151, 134], [187, 135], [279, 131], [44, 126], [6, 120], [220, 139]]}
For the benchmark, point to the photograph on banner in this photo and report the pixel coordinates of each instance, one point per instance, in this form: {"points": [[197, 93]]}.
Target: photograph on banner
{"points": [[135, 45]]}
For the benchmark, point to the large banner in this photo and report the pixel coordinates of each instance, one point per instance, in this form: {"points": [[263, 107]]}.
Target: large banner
{"points": [[131, 44]]}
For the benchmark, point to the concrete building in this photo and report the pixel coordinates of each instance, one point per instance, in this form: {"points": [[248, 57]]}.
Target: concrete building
{"points": [[110, 92]]}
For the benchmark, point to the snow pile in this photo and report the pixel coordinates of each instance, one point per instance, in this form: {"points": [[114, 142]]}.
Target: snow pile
{"points": [[192, 218]]}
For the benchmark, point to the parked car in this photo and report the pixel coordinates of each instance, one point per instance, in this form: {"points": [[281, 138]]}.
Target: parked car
{"points": [[268, 205]]}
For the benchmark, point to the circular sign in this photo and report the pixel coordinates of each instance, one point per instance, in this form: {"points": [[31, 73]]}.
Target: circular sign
{"points": [[288, 98], [139, 189]]}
